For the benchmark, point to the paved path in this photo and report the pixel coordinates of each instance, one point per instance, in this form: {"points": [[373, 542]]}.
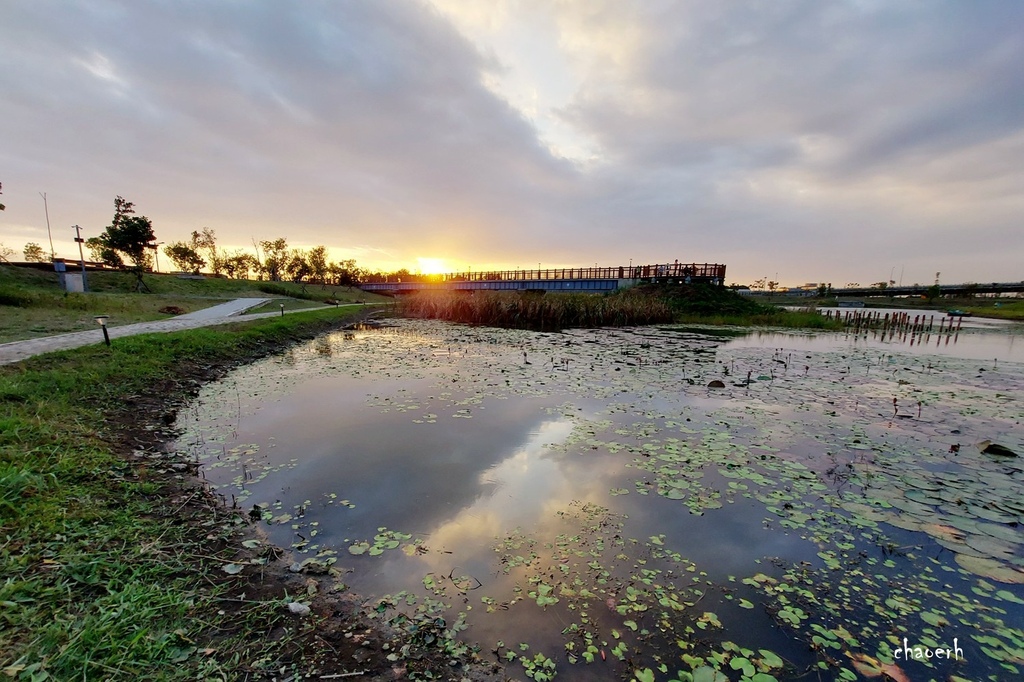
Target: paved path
{"points": [[218, 314], [235, 307]]}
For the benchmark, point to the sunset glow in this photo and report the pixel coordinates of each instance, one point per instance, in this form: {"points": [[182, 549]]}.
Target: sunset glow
{"points": [[432, 266], [568, 132]]}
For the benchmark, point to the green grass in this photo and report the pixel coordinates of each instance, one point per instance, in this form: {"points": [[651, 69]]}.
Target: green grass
{"points": [[779, 318], [288, 303], [48, 314], [1005, 308], [33, 304], [321, 293], [99, 576], [1008, 309]]}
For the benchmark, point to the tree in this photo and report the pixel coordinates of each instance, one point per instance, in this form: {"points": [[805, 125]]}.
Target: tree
{"points": [[345, 273], [317, 261], [297, 265], [99, 251], [238, 265], [275, 258], [188, 255], [128, 236], [185, 257], [206, 242], [34, 253], [2, 207], [5, 252]]}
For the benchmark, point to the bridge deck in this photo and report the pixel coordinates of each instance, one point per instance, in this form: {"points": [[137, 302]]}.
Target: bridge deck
{"points": [[593, 280]]}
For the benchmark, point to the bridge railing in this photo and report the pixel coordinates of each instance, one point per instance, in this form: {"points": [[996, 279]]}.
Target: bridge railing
{"points": [[703, 271]]}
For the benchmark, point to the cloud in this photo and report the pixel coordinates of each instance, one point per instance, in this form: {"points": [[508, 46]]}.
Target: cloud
{"points": [[741, 132], [781, 122]]}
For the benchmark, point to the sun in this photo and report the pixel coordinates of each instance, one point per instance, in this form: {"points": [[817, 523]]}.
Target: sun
{"points": [[432, 266]]}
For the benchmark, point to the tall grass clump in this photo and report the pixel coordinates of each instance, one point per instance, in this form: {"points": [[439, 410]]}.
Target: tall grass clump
{"points": [[530, 310]]}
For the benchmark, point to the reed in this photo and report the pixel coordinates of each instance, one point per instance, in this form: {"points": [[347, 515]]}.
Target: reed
{"points": [[547, 312]]}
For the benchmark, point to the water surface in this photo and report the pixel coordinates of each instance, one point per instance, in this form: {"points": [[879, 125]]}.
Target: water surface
{"points": [[585, 500]]}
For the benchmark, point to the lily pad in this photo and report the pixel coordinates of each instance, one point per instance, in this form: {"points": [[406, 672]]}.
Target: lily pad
{"points": [[990, 448], [708, 674], [990, 546], [990, 568]]}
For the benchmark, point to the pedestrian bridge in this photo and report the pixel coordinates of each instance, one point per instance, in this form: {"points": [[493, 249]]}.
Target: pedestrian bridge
{"points": [[579, 280]]}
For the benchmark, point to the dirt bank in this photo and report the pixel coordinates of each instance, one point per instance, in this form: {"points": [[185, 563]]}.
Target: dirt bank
{"points": [[341, 636]]}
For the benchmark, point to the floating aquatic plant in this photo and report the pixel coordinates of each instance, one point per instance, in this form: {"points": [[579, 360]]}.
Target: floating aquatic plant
{"points": [[902, 531]]}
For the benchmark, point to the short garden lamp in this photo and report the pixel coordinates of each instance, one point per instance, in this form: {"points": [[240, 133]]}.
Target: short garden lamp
{"points": [[102, 320], [282, 310]]}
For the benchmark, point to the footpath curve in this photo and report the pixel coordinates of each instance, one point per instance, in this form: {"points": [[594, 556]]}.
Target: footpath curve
{"points": [[223, 313]]}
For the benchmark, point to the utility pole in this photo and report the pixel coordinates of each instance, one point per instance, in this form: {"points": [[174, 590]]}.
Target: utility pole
{"points": [[156, 253], [47, 210], [81, 255]]}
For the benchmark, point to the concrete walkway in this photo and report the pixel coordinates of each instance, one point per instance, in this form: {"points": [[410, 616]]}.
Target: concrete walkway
{"points": [[214, 315], [235, 307]]}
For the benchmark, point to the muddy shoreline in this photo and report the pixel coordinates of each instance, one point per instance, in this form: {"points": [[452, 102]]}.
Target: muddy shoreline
{"points": [[340, 636]]}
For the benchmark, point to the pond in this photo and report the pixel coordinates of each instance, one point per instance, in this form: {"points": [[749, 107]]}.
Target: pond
{"points": [[583, 505]]}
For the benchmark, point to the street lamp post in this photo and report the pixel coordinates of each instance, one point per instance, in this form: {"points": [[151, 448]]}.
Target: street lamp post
{"points": [[102, 320]]}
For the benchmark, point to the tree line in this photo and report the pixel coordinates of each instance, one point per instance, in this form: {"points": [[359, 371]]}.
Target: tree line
{"points": [[129, 243], [272, 260]]}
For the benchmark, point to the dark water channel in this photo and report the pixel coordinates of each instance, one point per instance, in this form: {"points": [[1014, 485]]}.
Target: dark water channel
{"points": [[588, 502]]}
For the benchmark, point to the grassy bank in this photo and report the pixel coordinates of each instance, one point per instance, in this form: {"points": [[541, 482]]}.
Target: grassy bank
{"points": [[1004, 308], [705, 304], [115, 563], [32, 303], [646, 304]]}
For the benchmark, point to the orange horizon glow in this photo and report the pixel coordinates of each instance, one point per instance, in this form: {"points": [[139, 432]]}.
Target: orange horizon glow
{"points": [[432, 266]]}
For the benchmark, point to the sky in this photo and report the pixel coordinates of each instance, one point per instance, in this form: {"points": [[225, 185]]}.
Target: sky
{"points": [[798, 140]]}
